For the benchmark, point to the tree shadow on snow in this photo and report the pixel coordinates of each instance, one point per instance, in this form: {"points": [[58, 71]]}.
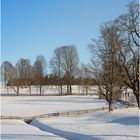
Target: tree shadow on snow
{"points": [[68, 135], [133, 120], [78, 136]]}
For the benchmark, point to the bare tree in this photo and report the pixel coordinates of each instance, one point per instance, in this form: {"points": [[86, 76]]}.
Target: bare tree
{"points": [[10, 76], [64, 64], [128, 27], [56, 67], [86, 78], [30, 77], [15, 83], [39, 70], [7, 72], [24, 71], [104, 63], [69, 64]]}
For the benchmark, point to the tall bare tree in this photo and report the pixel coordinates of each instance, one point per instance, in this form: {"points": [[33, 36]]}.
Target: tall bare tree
{"points": [[56, 67], [65, 64], [7, 72], [24, 71], [70, 62], [86, 78], [39, 70], [128, 27], [104, 63], [10, 76]]}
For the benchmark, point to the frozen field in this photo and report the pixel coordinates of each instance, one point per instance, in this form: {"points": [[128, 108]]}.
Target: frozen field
{"points": [[36, 105], [19, 130], [50, 90], [103, 125], [118, 125]]}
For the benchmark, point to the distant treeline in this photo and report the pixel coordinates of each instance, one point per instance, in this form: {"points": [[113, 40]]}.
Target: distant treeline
{"points": [[54, 80]]}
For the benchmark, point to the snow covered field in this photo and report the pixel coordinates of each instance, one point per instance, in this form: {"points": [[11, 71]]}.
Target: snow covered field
{"points": [[36, 105], [50, 90], [121, 124], [19, 130], [103, 125]]}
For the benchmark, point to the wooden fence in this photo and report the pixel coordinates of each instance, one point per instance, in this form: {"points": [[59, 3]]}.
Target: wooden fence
{"points": [[70, 113]]}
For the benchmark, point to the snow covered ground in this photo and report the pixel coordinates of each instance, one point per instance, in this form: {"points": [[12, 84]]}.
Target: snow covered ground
{"points": [[36, 105], [118, 125], [19, 130], [121, 124], [50, 90]]}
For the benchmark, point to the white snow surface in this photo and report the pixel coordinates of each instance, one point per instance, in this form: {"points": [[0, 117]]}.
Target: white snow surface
{"points": [[19, 130], [28, 106], [50, 90], [103, 125], [120, 124]]}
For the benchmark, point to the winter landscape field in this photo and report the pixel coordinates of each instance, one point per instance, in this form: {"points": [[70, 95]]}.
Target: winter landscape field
{"points": [[70, 70], [120, 124]]}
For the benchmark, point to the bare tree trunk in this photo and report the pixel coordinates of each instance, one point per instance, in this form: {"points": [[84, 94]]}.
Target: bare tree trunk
{"points": [[111, 100], [86, 90], [61, 90], [30, 89], [67, 89], [110, 106], [40, 88], [70, 89], [136, 93], [60, 87], [36, 88]]}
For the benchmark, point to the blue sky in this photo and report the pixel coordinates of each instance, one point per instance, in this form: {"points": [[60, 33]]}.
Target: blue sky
{"points": [[34, 27]]}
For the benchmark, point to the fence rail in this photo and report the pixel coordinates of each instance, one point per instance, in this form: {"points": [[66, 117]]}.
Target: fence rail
{"points": [[70, 113]]}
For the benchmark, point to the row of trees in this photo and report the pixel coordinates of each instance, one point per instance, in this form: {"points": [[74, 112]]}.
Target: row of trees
{"points": [[65, 71], [114, 62], [117, 55], [23, 73]]}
